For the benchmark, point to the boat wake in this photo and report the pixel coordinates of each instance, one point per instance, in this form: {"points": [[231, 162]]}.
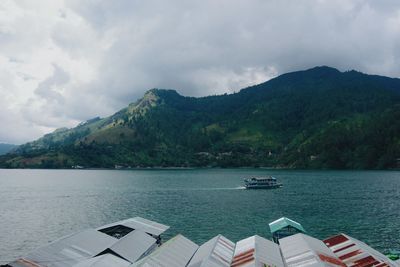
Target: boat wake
{"points": [[229, 188], [201, 189]]}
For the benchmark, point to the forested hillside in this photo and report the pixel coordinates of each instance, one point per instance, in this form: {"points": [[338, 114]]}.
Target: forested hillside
{"points": [[318, 118]]}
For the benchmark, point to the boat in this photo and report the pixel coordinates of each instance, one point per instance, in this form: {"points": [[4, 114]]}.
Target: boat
{"points": [[267, 182]]}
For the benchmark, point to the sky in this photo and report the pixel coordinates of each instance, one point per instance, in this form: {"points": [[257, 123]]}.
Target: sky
{"points": [[63, 62]]}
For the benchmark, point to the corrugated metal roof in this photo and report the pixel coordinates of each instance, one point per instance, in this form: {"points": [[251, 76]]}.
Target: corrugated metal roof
{"points": [[176, 252], [134, 245], [147, 226], [304, 250], [356, 253], [106, 260], [257, 251], [284, 222], [72, 249], [121, 246], [139, 223], [216, 252]]}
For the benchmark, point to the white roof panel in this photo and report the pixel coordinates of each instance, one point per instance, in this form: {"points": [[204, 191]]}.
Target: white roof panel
{"points": [[145, 225], [257, 251], [304, 250], [70, 250], [139, 223], [216, 252], [134, 245], [106, 260], [176, 252]]}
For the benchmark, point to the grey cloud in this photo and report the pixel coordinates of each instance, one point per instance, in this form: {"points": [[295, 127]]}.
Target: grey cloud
{"points": [[163, 45], [25, 76], [47, 106], [49, 88]]}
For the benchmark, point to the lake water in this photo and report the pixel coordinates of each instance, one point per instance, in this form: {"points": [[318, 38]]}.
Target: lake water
{"points": [[38, 206]]}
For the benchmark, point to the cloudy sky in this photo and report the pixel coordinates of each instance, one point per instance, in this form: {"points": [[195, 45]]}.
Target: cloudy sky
{"points": [[62, 62]]}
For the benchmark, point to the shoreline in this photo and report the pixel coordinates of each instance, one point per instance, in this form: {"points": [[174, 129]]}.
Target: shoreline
{"points": [[199, 168]]}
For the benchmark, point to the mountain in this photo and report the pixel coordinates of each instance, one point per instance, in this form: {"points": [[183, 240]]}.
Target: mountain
{"points": [[5, 148], [317, 118]]}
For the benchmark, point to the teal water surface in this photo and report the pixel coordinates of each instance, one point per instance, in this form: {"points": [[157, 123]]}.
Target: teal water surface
{"points": [[38, 206]]}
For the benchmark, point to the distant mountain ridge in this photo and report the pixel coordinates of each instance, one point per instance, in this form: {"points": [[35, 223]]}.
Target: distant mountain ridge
{"points": [[5, 148], [316, 118]]}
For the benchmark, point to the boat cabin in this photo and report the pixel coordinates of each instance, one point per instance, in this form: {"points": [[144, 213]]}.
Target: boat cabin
{"points": [[263, 179]]}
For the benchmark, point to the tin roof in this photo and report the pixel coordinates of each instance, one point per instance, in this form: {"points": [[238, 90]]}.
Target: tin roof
{"points": [[127, 243], [284, 222], [304, 250], [356, 253], [176, 252], [216, 252], [257, 251], [70, 250], [133, 246], [122, 246], [104, 261], [139, 223]]}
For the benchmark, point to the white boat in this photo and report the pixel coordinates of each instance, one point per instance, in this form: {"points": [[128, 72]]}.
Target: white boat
{"points": [[267, 182]]}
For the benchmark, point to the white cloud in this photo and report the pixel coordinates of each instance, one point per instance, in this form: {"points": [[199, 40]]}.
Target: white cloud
{"points": [[66, 61]]}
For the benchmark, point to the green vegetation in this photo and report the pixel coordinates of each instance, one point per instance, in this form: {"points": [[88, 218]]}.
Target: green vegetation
{"points": [[318, 118]]}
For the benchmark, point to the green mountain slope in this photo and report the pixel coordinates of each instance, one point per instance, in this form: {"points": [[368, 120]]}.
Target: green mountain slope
{"points": [[318, 118]]}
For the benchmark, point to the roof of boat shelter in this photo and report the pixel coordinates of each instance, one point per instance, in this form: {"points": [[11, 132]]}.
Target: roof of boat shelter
{"points": [[354, 252], [140, 223], [218, 251], [96, 247], [257, 251], [175, 252], [129, 244], [304, 250], [284, 222]]}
